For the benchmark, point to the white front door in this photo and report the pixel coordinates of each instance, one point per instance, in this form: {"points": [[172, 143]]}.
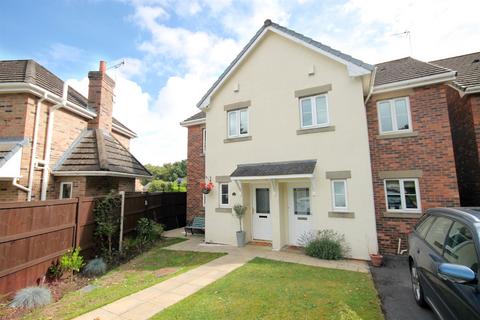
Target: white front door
{"points": [[262, 218], [300, 217]]}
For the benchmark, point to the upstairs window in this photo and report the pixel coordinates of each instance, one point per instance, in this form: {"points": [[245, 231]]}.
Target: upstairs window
{"points": [[314, 111], [237, 123], [394, 115]]}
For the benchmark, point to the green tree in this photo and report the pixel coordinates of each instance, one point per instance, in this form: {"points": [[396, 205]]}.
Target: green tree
{"points": [[169, 172]]}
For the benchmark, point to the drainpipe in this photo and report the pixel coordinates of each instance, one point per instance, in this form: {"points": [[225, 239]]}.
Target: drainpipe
{"points": [[19, 186], [372, 82], [38, 112], [48, 143]]}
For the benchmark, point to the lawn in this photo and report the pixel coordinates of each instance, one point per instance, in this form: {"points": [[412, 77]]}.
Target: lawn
{"points": [[266, 289], [150, 268]]}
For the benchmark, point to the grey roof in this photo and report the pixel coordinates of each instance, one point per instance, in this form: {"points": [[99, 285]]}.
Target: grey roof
{"points": [[406, 68], [307, 40], [467, 67], [30, 71], [98, 150], [196, 116], [9, 146], [275, 168]]}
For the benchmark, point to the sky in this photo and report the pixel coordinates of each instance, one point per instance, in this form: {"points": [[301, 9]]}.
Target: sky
{"points": [[175, 50]]}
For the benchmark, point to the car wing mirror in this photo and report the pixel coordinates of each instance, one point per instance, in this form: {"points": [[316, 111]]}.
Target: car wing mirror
{"points": [[456, 273]]}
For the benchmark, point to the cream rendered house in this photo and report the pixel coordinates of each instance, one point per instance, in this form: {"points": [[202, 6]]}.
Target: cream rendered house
{"points": [[286, 134]]}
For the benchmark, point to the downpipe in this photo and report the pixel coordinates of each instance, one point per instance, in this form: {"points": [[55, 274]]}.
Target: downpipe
{"points": [[38, 112]]}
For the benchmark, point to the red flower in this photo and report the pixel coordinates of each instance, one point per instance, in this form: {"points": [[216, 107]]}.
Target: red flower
{"points": [[206, 186]]}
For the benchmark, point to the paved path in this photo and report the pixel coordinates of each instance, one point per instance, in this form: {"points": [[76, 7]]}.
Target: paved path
{"points": [[146, 303]]}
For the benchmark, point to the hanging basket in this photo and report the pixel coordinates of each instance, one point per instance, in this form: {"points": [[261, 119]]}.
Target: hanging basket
{"points": [[206, 191], [206, 187]]}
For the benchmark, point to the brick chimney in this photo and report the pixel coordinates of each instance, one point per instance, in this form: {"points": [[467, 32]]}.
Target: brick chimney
{"points": [[100, 97]]}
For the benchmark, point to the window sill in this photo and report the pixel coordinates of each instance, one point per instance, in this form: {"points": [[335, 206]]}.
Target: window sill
{"points": [[315, 130], [341, 214], [224, 210], [397, 135], [237, 139], [402, 214]]}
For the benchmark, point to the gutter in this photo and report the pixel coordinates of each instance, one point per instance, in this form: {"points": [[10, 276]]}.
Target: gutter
{"points": [[14, 87], [438, 78], [372, 82], [124, 131], [97, 174], [192, 122], [19, 186]]}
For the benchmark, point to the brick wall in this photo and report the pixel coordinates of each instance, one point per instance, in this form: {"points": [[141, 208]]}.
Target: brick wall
{"points": [[195, 172], [430, 151], [465, 122], [124, 141]]}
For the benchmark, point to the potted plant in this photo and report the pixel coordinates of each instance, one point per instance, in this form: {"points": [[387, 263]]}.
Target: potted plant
{"points": [[240, 212], [206, 187], [377, 259]]}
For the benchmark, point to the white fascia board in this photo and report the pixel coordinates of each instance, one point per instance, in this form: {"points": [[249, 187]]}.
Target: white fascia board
{"points": [[97, 174], [123, 131], [192, 122], [475, 89], [287, 176], [406, 84], [16, 87], [353, 69]]}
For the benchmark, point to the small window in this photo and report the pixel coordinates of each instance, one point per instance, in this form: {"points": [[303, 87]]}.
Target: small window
{"points": [[314, 111], [437, 233], [394, 115], [402, 194], [339, 195], [460, 247], [224, 199], [204, 141], [66, 190], [237, 123]]}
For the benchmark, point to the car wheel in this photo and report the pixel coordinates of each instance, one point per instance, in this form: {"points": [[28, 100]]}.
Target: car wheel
{"points": [[417, 287]]}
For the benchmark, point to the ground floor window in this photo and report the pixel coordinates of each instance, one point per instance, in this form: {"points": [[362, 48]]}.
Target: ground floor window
{"points": [[339, 195], [224, 199], [301, 201], [402, 194], [66, 189]]}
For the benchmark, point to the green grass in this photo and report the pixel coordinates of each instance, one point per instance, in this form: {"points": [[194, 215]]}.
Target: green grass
{"points": [[266, 289], [129, 278]]}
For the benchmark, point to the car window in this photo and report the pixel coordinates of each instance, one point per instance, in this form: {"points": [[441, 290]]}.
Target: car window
{"points": [[437, 233], [460, 247], [424, 226]]}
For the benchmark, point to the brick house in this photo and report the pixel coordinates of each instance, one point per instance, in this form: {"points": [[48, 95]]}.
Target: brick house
{"points": [[411, 147], [195, 163], [56, 143], [463, 98]]}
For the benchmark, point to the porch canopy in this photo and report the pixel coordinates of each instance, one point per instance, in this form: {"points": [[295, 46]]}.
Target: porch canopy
{"points": [[274, 170]]}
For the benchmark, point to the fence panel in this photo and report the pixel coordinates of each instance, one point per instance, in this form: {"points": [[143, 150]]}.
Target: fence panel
{"points": [[34, 234]]}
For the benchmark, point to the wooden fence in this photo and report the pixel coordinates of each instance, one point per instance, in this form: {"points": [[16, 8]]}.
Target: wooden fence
{"points": [[34, 234]]}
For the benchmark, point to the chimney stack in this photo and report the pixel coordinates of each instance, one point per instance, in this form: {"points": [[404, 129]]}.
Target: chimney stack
{"points": [[100, 97]]}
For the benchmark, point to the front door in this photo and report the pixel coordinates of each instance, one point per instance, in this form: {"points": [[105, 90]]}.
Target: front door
{"points": [[300, 217], [262, 218]]}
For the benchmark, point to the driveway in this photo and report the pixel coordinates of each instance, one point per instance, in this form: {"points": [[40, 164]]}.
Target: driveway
{"points": [[394, 287]]}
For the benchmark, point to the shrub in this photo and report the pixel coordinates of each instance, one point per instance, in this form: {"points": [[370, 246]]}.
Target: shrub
{"points": [[55, 271], [95, 267], [72, 261], [239, 213], [326, 244], [107, 220], [31, 297], [147, 231]]}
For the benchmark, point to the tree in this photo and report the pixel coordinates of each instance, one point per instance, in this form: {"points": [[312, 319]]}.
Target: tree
{"points": [[169, 172]]}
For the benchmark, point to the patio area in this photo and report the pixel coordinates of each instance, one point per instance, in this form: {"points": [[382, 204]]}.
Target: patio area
{"points": [[146, 303]]}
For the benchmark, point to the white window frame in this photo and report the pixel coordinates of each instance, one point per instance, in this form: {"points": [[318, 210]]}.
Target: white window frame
{"points": [[393, 115], [237, 134], [61, 189], [402, 195], [334, 206], [313, 105], [221, 204], [204, 141]]}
